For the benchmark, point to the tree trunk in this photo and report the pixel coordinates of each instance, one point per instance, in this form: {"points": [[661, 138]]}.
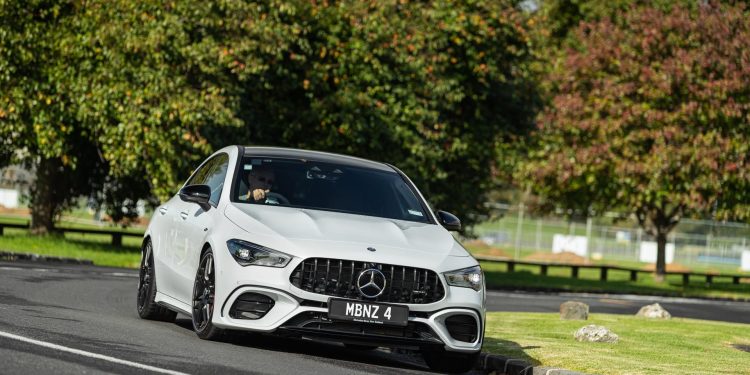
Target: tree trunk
{"points": [[661, 254], [44, 200]]}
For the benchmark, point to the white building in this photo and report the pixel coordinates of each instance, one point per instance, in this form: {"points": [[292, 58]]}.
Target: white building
{"points": [[14, 183]]}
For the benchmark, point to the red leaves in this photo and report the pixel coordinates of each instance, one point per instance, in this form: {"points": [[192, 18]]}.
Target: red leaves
{"points": [[654, 106]]}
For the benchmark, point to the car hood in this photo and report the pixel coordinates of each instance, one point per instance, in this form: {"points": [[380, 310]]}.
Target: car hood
{"points": [[316, 233]]}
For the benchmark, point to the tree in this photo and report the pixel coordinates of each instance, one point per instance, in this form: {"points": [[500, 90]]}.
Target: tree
{"points": [[432, 87], [98, 96], [561, 18], [146, 89], [651, 114], [37, 130]]}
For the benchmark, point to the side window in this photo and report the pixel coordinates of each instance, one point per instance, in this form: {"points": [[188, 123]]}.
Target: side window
{"points": [[215, 179], [199, 178], [212, 174]]}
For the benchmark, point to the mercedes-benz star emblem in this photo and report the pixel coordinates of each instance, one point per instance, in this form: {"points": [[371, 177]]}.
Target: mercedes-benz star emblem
{"points": [[371, 283]]}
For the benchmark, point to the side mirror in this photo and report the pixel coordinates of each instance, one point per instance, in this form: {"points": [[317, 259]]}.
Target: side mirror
{"points": [[199, 194], [449, 221]]}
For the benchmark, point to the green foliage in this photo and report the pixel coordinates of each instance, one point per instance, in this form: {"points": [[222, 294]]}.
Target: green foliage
{"points": [[36, 124], [107, 99], [560, 18], [433, 88], [153, 87], [651, 114], [148, 84]]}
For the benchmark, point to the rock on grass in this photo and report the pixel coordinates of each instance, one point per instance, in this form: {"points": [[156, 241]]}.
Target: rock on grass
{"points": [[573, 310], [595, 333], [654, 311]]}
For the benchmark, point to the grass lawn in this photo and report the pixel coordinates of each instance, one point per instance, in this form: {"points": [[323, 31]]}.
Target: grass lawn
{"points": [[558, 278], [475, 249], [98, 249], [676, 346], [74, 245]]}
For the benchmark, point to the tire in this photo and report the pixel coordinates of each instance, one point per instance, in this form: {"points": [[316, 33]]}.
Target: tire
{"points": [[204, 290], [360, 347], [441, 360], [147, 308]]}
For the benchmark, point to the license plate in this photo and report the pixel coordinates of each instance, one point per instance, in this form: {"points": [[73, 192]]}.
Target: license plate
{"points": [[368, 312]]}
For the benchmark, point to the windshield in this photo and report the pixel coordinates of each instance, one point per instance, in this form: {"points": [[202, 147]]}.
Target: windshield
{"points": [[326, 186]]}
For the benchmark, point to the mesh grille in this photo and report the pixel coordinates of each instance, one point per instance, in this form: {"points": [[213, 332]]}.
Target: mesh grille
{"points": [[320, 321], [338, 277], [462, 327]]}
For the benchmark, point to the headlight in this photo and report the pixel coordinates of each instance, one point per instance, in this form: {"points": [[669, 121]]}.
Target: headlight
{"points": [[250, 254], [466, 277]]}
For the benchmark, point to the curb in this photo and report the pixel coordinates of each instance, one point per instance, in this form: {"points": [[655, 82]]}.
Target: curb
{"points": [[13, 257], [500, 365]]}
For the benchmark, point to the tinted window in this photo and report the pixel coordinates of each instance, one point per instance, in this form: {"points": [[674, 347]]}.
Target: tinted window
{"points": [[327, 186], [212, 173]]}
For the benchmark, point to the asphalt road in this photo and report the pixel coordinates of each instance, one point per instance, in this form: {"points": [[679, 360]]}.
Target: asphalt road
{"points": [[81, 319], [726, 311]]}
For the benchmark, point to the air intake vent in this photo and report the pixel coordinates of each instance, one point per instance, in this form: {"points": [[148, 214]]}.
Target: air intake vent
{"points": [[462, 327], [251, 306], [338, 277]]}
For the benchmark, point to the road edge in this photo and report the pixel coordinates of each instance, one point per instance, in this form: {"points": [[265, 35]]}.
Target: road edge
{"points": [[8, 256], [501, 365], [550, 290]]}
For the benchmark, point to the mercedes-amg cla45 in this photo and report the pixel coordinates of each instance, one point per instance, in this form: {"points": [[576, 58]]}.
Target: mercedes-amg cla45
{"points": [[313, 245]]}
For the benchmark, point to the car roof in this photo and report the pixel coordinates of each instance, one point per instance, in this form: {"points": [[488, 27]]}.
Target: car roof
{"points": [[326, 157]]}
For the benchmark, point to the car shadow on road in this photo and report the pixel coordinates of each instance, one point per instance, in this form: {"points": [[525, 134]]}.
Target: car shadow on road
{"points": [[397, 361], [510, 349]]}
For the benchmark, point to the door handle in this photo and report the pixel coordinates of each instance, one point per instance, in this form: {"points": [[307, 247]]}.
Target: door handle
{"points": [[163, 210], [184, 215]]}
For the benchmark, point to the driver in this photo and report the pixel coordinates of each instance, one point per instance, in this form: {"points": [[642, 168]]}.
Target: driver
{"points": [[259, 183]]}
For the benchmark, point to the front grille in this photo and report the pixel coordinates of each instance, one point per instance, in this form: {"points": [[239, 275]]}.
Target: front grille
{"points": [[338, 278]]}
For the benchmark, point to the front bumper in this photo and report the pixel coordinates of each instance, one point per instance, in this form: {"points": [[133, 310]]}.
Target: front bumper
{"points": [[297, 313]]}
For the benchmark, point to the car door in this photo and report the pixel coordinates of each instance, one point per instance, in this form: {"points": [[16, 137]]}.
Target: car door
{"points": [[173, 245], [192, 223], [163, 234]]}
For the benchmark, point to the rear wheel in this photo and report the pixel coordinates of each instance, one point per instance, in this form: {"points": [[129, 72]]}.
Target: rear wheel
{"points": [[444, 361], [147, 308], [360, 347], [204, 291]]}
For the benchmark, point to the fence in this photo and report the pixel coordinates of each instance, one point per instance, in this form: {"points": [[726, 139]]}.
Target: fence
{"points": [[114, 234], [605, 269], [693, 243]]}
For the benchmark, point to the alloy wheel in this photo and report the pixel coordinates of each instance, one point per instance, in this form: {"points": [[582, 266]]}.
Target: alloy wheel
{"points": [[144, 279], [203, 293]]}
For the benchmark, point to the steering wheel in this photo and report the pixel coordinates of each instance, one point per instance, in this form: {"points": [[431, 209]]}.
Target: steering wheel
{"points": [[280, 199]]}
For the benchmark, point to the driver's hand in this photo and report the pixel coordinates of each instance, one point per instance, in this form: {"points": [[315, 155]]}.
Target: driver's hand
{"points": [[259, 194]]}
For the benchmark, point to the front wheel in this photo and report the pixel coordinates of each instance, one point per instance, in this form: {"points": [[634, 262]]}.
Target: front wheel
{"points": [[204, 291], [444, 361]]}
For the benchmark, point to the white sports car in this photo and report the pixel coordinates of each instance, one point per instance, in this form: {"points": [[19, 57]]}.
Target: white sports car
{"points": [[313, 245]]}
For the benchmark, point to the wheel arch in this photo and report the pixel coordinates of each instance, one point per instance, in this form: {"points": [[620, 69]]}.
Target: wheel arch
{"points": [[146, 238], [206, 247]]}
